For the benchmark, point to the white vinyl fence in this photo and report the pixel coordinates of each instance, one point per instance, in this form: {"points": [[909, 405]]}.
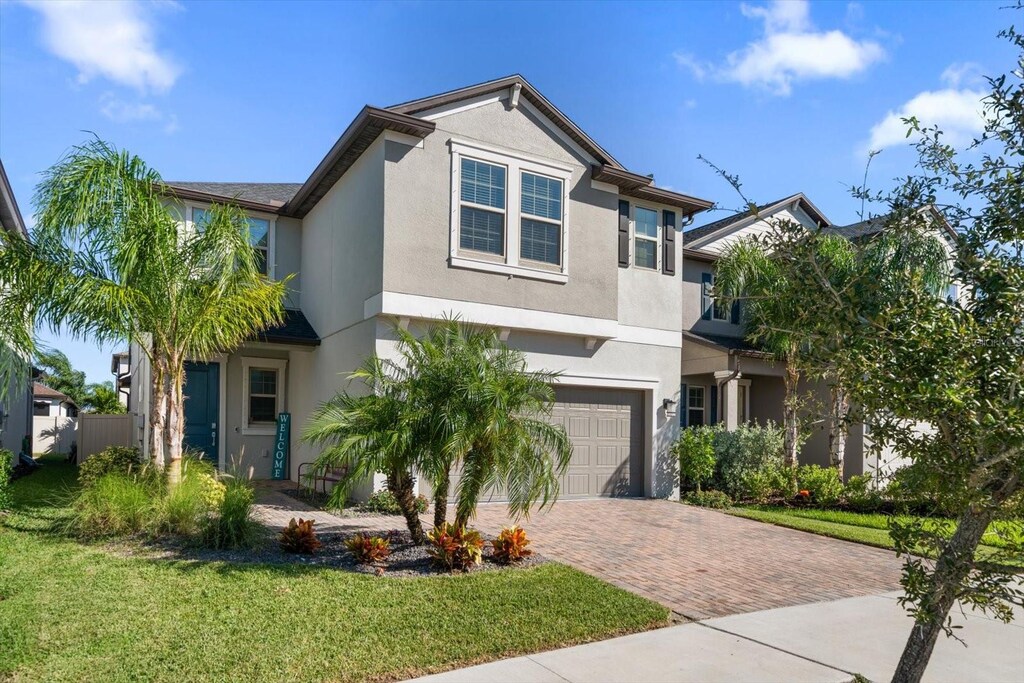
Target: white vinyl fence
{"points": [[52, 434], [96, 432]]}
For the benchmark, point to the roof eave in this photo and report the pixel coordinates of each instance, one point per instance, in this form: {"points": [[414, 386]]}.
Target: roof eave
{"points": [[10, 214], [364, 129], [208, 197], [642, 187]]}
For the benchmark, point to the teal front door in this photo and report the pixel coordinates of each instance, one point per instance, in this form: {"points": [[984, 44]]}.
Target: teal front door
{"points": [[202, 409]]}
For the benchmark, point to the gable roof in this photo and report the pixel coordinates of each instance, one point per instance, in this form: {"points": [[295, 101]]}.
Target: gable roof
{"points": [[875, 225], [723, 224], [271, 195], [10, 215], [403, 118], [40, 390]]}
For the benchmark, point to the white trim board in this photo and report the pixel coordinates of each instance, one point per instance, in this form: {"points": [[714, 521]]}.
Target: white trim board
{"points": [[415, 306]]}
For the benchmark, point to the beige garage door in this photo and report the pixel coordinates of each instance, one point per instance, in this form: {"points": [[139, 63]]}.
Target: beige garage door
{"points": [[606, 430]]}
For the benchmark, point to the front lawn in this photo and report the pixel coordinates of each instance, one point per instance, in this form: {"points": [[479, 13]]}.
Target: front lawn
{"points": [[70, 611], [859, 527]]}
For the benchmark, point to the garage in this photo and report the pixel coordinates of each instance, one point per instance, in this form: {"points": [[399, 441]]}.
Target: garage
{"points": [[606, 430], [606, 427]]}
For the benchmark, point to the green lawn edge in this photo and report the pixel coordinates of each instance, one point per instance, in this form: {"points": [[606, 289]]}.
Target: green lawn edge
{"points": [[82, 612]]}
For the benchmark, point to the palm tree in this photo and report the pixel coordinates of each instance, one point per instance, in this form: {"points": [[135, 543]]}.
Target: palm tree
{"points": [[456, 399], [103, 399], [109, 261]]}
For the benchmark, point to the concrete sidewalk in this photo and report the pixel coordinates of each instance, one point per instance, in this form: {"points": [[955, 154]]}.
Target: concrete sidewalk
{"points": [[821, 643]]}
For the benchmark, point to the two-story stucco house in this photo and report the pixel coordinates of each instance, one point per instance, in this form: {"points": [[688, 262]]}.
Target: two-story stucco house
{"points": [[16, 400], [487, 203], [725, 379]]}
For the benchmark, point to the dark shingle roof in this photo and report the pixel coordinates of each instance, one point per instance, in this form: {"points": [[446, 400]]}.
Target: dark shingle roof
{"points": [[871, 226], [707, 229], [731, 344], [294, 330], [276, 194]]}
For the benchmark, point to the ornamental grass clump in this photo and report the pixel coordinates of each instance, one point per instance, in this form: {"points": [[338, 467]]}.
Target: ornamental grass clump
{"points": [[232, 525], [510, 545], [455, 548], [367, 549]]}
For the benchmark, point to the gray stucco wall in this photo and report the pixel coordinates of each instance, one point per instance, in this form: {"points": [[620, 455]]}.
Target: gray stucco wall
{"points": [[417, 221], [288, 258], [691, 302], [16, 403]]}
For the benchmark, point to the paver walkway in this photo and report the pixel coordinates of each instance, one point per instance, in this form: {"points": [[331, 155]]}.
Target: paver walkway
{"points": [[701, 563], [275, 509]]}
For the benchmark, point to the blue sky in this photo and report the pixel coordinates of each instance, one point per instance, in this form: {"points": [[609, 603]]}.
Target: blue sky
{"points": [[790, 96]]}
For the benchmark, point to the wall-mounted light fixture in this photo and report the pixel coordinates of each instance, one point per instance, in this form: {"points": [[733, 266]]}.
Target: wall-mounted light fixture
{"points": [[667, 403]]}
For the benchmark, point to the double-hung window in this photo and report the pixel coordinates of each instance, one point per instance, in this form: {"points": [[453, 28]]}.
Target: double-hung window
{"points": [[540, 210], [263, 393], [719, 311], [509, 212], [695, 406], [259, 236], [262, 396], [482, 207], [645, 238]]}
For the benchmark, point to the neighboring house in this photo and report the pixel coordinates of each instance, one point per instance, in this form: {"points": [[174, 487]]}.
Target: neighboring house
{"points": [[724, 378], [16, 400], [47, 402], [487, 203], [54, 420], [120, 368]]}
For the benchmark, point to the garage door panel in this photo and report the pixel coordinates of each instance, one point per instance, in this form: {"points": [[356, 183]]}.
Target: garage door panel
{"points": [[580, 456], [579, 427], [607, 427]]}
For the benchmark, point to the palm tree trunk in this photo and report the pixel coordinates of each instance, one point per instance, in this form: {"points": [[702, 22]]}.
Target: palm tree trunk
{"points": [[791, 436], [157, 412], [400, 485], [175, 420], [441, 499], [837, 428], [954, 564]]}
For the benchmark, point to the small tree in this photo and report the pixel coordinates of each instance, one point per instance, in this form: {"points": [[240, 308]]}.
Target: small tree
{"points": [[695, 450]]}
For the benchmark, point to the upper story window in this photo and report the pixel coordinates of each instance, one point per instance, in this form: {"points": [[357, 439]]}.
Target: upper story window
{"points": [[714, 308], [645, 238], [509, 212], [259, 236]]}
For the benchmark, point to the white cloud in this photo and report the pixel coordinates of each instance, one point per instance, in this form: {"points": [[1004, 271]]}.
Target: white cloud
{"points": [[959, 113], [790, 50], [966, 73], [119, 111], [108, 39]]}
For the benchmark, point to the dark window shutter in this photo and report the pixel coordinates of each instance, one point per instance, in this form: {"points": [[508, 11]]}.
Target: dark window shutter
{"points": [[706, 302], [684, 405], [714, 404], [734, 314], [623, 233], [668, 244]]}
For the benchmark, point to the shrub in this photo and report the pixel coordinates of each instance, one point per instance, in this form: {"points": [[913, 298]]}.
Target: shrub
{"points": [[6, 471], [368, 549], [771, 481], [383, 502], [823, 483], [114, 504], [456, 548], [185, 508], [695, 450], [708, 499], [232, 525], [114, 459], [510, 545], [747, 450], [861, 495], [299, 537]]}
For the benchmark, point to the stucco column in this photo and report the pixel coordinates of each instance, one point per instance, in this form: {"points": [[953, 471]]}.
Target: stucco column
{"points": [[728, 398]]}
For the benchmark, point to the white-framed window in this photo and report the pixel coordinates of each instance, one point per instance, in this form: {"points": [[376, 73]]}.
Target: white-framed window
{"points": [[743, 402], [645, 238], [509, 212], [261, 236], [719, 311], [695, 406], [263, 392]]}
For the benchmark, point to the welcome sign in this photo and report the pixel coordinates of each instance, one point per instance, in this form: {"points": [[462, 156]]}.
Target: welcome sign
{"points": [[279, 468]]}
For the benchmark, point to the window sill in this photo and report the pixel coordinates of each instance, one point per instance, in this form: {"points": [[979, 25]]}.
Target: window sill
{"points": [[506, 269], [259, 431]]}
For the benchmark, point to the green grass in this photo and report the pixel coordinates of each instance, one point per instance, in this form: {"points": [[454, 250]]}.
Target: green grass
{"points": [[860, 527], [76, 612]]}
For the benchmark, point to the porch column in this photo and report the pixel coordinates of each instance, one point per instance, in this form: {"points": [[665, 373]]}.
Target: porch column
{"points": [[728, 398]]}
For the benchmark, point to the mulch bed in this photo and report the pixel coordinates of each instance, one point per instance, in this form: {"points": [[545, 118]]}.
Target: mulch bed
{"points": [[406, 559]]}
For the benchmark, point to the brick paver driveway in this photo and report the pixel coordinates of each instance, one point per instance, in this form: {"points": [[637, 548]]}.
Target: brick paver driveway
{"points": [[701, 563]]}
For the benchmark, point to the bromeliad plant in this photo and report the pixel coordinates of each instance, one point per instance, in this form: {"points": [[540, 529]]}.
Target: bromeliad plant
{"points": [[510, 545], [299, 537], [455, 548], [368, 549]]}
